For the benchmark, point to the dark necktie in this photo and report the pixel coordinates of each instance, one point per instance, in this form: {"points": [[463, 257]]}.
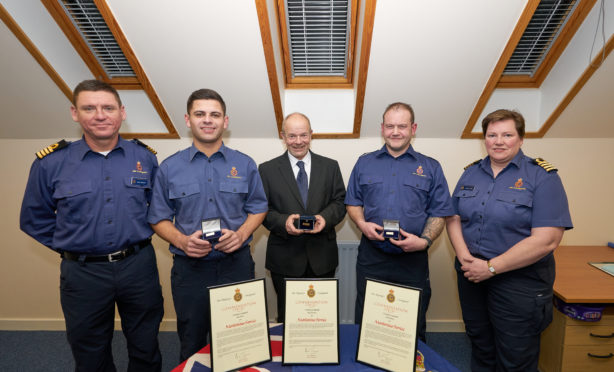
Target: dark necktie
{"points": [[301, 180]]}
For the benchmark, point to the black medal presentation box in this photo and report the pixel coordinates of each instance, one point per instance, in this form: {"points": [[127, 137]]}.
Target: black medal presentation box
{"points": [[306, 222]]}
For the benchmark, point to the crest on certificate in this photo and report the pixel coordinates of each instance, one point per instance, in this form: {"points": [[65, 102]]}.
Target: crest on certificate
{"points": [[390, 296], [238, 296], [311, 292]]}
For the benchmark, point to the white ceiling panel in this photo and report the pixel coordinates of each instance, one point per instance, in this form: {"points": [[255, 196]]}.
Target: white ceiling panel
{"points": [[192, 44], [437, 56], [32, 106]]}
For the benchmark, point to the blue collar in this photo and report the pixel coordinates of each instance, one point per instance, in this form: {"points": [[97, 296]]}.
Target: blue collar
{"points": [[485, 163], [384, 151], [193, 151], [82, 148]]}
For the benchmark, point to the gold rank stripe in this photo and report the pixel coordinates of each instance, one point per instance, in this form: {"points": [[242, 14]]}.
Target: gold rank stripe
{"points": [[472, 164], [544, 164], [49, 149], [139, 142]]}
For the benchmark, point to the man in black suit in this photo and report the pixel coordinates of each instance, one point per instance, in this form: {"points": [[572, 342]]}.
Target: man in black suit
{"points": [[300, 183]]}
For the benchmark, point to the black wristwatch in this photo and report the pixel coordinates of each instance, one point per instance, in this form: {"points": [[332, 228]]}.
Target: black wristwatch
{"points": [[429, 242]]}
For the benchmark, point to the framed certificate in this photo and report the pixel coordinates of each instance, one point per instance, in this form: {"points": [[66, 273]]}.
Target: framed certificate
{"points": [[239, 325], [388, 336], [311, 328]]}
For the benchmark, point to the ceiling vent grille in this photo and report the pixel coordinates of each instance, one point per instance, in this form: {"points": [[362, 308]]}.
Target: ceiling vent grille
{"points": [[543, 29], [87, 19], [318, 33]]}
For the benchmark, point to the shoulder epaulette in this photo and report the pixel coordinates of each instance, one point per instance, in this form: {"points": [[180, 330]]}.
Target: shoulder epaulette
{"points": [[135, 140], [49, 149], [472, 164], [544, 164]]}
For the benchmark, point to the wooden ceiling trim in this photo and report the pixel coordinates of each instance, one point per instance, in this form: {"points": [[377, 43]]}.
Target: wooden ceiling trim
{"points": [[141, 76], [140, 82], [569, 30], [498, 80], [365, 55], [269, 57], [267, 43], [491, 85], [36, 54], [72, 34], [319, 82]]}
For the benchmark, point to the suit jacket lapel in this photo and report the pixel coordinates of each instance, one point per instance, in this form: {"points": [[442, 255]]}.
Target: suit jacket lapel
{"points": [[316, 184], [285, 170]]}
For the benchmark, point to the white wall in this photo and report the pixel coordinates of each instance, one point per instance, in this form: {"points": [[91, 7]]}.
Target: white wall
{"points": [[29, 272]]}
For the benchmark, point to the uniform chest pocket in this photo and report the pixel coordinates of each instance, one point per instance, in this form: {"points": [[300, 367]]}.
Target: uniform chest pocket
{"points": [[75, 201], [136, 190], [418, 182], [370, 180], [416, 194], [521, 199], [467, 202], [68, 190], [233, 196], [183, 191], [186, 201], [234, 187], [465, 193], [371, 186]]}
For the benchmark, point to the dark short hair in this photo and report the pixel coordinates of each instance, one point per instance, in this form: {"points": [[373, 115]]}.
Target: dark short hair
{"points": [[94, 86], [399, 106], [503, 114], [283, 123], [206, 94]]}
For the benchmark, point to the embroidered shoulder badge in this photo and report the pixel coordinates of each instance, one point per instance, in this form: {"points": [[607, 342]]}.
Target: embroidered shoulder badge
{"points": [[144, 145], [472, 164], [49, 149], [544, 164]]}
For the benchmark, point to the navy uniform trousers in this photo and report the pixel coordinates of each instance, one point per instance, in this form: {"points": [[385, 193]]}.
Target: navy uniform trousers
{"points": [[505, 315], [190, 278], [410, 269], [89, 292]]}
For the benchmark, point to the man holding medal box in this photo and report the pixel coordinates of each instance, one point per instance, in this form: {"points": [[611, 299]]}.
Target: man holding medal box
{"points": [[215, 197]]}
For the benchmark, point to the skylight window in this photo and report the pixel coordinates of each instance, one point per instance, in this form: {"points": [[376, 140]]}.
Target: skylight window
{"points": [[537, 39], [319, 33], [318, 41], [89, 22]]}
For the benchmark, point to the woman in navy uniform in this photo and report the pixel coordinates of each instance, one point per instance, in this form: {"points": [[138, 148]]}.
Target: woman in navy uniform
{"points": [[511, 212]]}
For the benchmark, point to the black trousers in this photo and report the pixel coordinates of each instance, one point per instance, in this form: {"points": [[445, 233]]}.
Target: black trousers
{"points": [[505, 315], [190, 278], [279, 284], [89, 292], [410, 269]]}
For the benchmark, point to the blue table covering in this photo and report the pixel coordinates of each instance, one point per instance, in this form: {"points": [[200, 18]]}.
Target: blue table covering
{"points": [[426, 359]]}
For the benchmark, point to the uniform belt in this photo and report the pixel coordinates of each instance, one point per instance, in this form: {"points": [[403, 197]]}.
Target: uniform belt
{"points": [[110, 257]]}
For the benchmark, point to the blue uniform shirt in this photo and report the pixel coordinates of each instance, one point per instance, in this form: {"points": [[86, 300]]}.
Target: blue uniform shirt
{"points": [[191, 187], [497, 213], [410, 188], [81, 201]]}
